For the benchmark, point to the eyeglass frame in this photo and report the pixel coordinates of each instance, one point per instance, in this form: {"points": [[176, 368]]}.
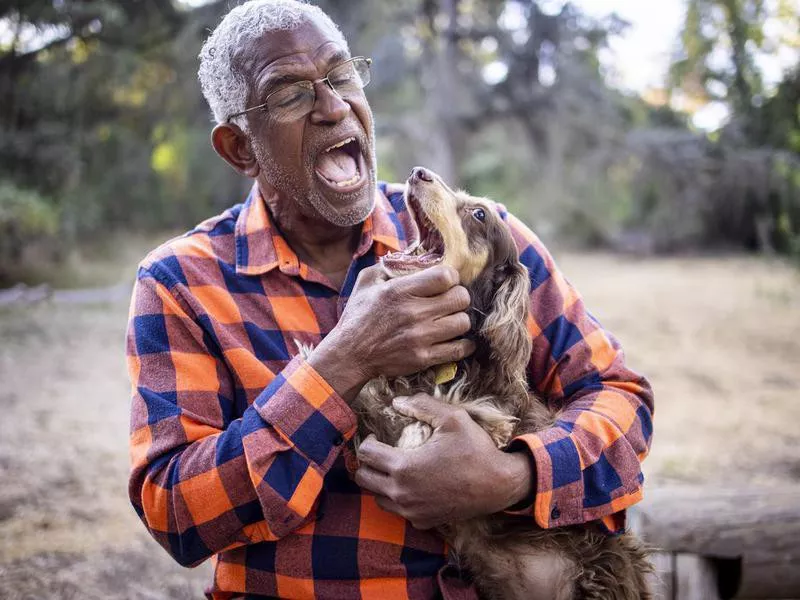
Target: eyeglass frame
{"points": [[312, 82]]}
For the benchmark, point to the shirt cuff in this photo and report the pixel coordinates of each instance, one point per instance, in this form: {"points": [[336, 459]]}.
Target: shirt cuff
{"points": [[558, 498], [559, 493], [306, 411]]}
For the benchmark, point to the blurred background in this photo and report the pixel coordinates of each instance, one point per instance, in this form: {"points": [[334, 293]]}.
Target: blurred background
{"points": [[654, 146]]}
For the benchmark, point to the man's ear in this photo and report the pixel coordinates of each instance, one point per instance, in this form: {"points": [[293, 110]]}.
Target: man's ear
{"points": [[234, 147]]}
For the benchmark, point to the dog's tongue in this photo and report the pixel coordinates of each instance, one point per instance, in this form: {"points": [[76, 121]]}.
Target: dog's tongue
{"points": [[336, 165]]}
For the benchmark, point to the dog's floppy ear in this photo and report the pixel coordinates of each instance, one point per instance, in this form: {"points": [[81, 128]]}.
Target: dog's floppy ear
{"points": [[505, 326]]}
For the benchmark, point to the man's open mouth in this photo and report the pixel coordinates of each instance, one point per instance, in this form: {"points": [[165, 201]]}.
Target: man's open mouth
{"points": [[341, 166], [427, 251]]}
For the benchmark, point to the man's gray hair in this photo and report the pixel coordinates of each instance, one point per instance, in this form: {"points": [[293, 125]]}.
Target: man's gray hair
{"points": [[224, 85]]}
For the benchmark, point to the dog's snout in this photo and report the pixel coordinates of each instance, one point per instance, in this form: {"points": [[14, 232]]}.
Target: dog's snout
{"points": [[422, 174]]}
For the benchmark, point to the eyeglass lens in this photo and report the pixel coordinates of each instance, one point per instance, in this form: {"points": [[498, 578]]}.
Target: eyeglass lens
{"points": [[297, 100]]}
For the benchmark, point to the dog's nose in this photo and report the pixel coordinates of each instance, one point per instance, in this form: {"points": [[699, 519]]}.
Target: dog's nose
{"points": [[421, 173]]}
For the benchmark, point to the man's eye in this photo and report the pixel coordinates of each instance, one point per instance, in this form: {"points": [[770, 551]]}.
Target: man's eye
{"points": [[345, 77], [479, 214], [288, 98], [346, 82]]}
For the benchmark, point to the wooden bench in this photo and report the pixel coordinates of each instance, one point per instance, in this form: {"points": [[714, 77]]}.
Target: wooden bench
{"points": [[717, 543]]}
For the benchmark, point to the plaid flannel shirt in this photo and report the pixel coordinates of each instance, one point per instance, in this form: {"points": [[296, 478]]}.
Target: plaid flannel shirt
{"points": [[240, 449]]}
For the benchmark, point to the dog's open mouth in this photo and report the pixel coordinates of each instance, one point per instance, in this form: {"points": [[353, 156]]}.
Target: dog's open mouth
{"points": [[427, 251]]}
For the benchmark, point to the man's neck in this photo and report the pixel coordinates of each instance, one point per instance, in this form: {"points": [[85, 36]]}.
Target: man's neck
{"points": [[320, 244]]}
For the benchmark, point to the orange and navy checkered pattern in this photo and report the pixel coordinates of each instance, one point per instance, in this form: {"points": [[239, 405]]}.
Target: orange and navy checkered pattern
{"points": [[239, 447]]}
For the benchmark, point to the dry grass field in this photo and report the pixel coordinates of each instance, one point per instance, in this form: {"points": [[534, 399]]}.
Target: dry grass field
{"points": [[719, 338]]}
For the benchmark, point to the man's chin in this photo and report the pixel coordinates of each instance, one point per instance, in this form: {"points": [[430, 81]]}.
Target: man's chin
{"points": [[345, 208]]}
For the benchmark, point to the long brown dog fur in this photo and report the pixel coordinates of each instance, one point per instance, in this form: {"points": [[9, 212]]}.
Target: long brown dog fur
{"points": [[509, 557]]}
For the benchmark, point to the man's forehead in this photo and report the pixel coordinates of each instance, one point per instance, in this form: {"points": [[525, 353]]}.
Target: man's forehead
{"points": [[293, 49]]}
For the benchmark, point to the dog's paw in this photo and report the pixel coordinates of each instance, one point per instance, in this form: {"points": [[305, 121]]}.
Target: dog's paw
{"points": [[414, 435], [303, 350]]}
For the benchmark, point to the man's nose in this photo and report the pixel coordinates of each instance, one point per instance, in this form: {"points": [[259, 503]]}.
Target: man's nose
{"points": [[329, 106]]}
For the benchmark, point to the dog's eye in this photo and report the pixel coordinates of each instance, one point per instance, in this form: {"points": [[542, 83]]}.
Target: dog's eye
{"points": [[479, 214]]}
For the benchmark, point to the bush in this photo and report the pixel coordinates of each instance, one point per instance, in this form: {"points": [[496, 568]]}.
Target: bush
{"points": [[29, 223]]}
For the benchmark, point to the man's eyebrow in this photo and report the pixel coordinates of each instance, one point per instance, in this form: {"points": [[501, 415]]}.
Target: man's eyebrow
{"points": [[337, 57], [278, 79]]}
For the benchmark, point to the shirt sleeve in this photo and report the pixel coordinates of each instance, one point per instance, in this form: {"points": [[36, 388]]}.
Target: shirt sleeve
{"points": [[588, 465], [202, 481]]}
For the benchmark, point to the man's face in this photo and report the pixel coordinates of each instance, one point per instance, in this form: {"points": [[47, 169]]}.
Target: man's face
{"points": [[299, 158]]}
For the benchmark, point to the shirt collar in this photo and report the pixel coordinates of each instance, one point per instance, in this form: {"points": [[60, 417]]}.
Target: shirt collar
{"points": [[260, 247]]}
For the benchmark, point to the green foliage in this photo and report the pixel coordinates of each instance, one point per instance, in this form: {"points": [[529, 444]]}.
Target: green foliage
{"points": [[26, 212], [785, 206], [714, 28], [104, 114], [27, 221]]}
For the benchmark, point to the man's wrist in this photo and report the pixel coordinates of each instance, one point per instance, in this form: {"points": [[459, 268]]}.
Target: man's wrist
{"points": [[341, 370], [519, 473]]}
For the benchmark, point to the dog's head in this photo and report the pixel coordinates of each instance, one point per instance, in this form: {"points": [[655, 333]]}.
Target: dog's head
{"points": [[468, 234]]}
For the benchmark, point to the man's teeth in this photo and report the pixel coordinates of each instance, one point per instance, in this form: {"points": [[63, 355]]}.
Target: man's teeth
{"points": [[352, 181], [340, 144]]}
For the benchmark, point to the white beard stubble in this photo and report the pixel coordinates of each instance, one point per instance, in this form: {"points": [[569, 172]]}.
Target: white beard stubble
{"points": [[310, 200]]}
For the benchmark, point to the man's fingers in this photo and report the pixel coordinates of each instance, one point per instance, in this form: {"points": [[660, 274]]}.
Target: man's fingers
{"points": [[377, 455], [453, 301], [393, 507], [388, 505], [428, 282], [451, 351], [370, 276], [450, 327], [376, 482], [425, 408]]}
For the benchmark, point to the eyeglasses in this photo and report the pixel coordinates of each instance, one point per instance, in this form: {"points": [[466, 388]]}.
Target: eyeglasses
{"points": [[296, 100]]}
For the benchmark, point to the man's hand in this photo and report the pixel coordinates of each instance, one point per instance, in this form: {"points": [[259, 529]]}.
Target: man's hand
{"points": [[457, 474], [395, 327]]}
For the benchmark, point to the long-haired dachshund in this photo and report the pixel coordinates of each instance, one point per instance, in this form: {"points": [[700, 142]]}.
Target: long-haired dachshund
{"points": [[509, 557]]}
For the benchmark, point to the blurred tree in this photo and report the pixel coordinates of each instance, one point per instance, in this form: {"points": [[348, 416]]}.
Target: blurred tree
{"points": [[103, 127], [742, 188], [99, 102], [718, 52]]}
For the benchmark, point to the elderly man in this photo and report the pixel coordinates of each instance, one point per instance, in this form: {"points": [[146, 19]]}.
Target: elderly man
{"points": [[241, 448]]}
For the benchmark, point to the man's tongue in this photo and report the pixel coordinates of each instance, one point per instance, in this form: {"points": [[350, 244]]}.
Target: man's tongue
{"points": [[337, 166]]}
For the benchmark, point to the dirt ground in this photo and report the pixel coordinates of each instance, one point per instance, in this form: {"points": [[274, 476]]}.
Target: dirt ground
{"points": [[718, 337]]}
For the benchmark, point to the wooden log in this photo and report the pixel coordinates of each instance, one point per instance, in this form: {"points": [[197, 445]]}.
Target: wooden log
{"points": [[24, 294], [695, 578], [100, 295], [753, 535], [663, 576]]}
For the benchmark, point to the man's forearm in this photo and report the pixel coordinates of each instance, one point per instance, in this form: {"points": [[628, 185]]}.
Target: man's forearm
{"points": [[332, 361]]}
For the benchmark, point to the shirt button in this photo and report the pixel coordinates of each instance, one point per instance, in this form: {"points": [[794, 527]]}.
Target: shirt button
{"points": [[555, 514]]}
